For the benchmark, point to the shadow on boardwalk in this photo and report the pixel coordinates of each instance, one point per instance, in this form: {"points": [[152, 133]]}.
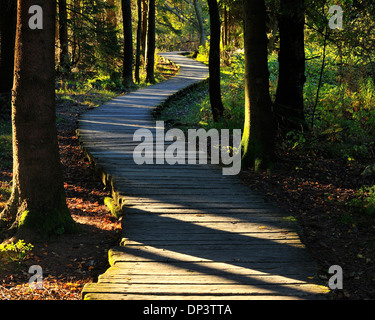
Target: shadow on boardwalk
{"points": [[188, 231]]}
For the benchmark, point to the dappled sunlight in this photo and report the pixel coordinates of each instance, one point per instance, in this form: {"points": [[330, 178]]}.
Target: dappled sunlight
{"points": [[188, 230], [189, 271], [125, 124]]}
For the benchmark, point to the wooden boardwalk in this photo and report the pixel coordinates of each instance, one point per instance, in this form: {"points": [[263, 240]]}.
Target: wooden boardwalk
{"points": [[188, 231]]}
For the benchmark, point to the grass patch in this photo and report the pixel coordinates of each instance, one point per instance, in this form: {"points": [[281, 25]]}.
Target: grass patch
{"points": [[183, 111], [89, 94]]}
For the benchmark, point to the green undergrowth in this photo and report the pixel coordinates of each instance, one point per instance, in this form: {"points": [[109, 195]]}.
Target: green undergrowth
{"points": [[341, 119], [115, 209], [364, 202], [89, 94], [361, 208], [14, 253], [100, 88]]}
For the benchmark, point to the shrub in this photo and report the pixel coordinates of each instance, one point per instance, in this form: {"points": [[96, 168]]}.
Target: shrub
{"points": [[15, 252]]}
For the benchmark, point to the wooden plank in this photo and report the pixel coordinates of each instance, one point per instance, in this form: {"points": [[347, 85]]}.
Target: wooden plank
{"points": [[203, 240], [140, 297], [261, 253], [211, 214], [195, 201], [213, 267], [150, 204], [198, 289], [134, 201], [159, 225], [198, 278]]}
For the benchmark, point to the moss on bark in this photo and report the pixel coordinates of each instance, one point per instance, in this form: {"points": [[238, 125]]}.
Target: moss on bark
{"points": [[47, 223]]}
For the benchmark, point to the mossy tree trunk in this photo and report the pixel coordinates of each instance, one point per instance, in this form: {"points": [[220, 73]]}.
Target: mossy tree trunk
{"points": [[258, 135], [37, 205], [289, 105]]}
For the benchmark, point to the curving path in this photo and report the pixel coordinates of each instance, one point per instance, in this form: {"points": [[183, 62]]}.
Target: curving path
{"points": [[188, 231]]}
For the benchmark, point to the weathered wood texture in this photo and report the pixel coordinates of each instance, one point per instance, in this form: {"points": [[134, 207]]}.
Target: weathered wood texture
{"points": [[188, 231]]}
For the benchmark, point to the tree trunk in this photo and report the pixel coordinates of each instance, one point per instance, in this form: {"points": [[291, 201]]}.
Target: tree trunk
{"points": [[75, 17], [138, 50], [8, 23], [214, 62], [144, 28], [127, 76], [63, 36], [258, 135], [202, 39], [37, 205], [289, 105], [226, 27], [151, 43]]}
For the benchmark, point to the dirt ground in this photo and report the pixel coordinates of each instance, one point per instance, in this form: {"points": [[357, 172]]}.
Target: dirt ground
{"points": [[316, 192], [70, 260]]}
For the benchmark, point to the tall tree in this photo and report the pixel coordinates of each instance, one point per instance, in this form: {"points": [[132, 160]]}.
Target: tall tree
{"points": [[37, 205], [63, 36], [127, 75], [289, 105], [202, 38], [144, 28], [151, 42], [258, 135], [76, 25], [139, 35], [214, 61], [8, 20], [226, 15]]}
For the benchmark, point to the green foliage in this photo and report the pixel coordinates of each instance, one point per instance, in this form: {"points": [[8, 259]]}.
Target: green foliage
{"points": [[95, 45], [344, 114], [364, 200], [204, 52], [109, 82], [90, 93], [177, 25], [15, 252], [115, 209], [194, 109], [294, 140]]}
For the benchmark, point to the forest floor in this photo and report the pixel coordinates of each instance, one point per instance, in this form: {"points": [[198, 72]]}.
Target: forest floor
{"points": [[317, 192], [68, 261]]}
